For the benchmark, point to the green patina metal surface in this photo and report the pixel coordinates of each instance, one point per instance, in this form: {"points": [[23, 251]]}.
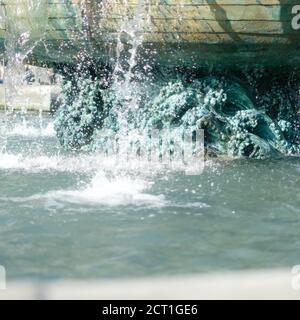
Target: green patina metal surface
{"points": [[182, 32], [255, 117]]}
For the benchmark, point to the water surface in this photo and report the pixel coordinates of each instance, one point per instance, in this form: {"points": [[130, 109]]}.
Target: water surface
{"points": [[74, 215]]}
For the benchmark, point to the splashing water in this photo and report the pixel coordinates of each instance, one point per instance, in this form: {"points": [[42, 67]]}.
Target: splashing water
{"points": [[241, 115], [235, 123], [240, 119], [119, 191], [21, 39], [88, 216]]}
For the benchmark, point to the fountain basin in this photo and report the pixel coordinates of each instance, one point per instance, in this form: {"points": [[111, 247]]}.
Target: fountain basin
{"points": [[173, 32]]}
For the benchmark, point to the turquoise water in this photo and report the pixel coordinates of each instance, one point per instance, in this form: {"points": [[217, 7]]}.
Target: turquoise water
{"points": [[76, 215]]}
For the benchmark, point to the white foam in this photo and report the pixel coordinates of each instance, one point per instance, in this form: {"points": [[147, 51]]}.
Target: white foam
{"points": [[113, 192], [8, 161], [56, 162], [31, 131], [28, 163], [82, 163], [106, 191]]}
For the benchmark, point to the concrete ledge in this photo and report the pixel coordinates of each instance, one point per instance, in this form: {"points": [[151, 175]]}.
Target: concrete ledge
{"points": [[270, 284], [30, 97]]}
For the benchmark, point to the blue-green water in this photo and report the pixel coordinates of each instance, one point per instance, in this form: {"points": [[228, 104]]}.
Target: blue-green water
{"points": [[72, 215]]}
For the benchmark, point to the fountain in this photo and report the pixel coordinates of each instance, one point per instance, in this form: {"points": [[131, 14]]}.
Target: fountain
{"points": [[117, 58], [174, 32], [136, 75]]}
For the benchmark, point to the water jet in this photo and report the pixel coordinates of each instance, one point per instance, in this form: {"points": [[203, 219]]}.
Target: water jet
{"points": [[68, 210]]}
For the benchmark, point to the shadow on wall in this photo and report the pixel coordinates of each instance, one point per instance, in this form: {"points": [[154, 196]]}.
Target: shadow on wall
{"points": [[223, 21], [286, 17]]}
